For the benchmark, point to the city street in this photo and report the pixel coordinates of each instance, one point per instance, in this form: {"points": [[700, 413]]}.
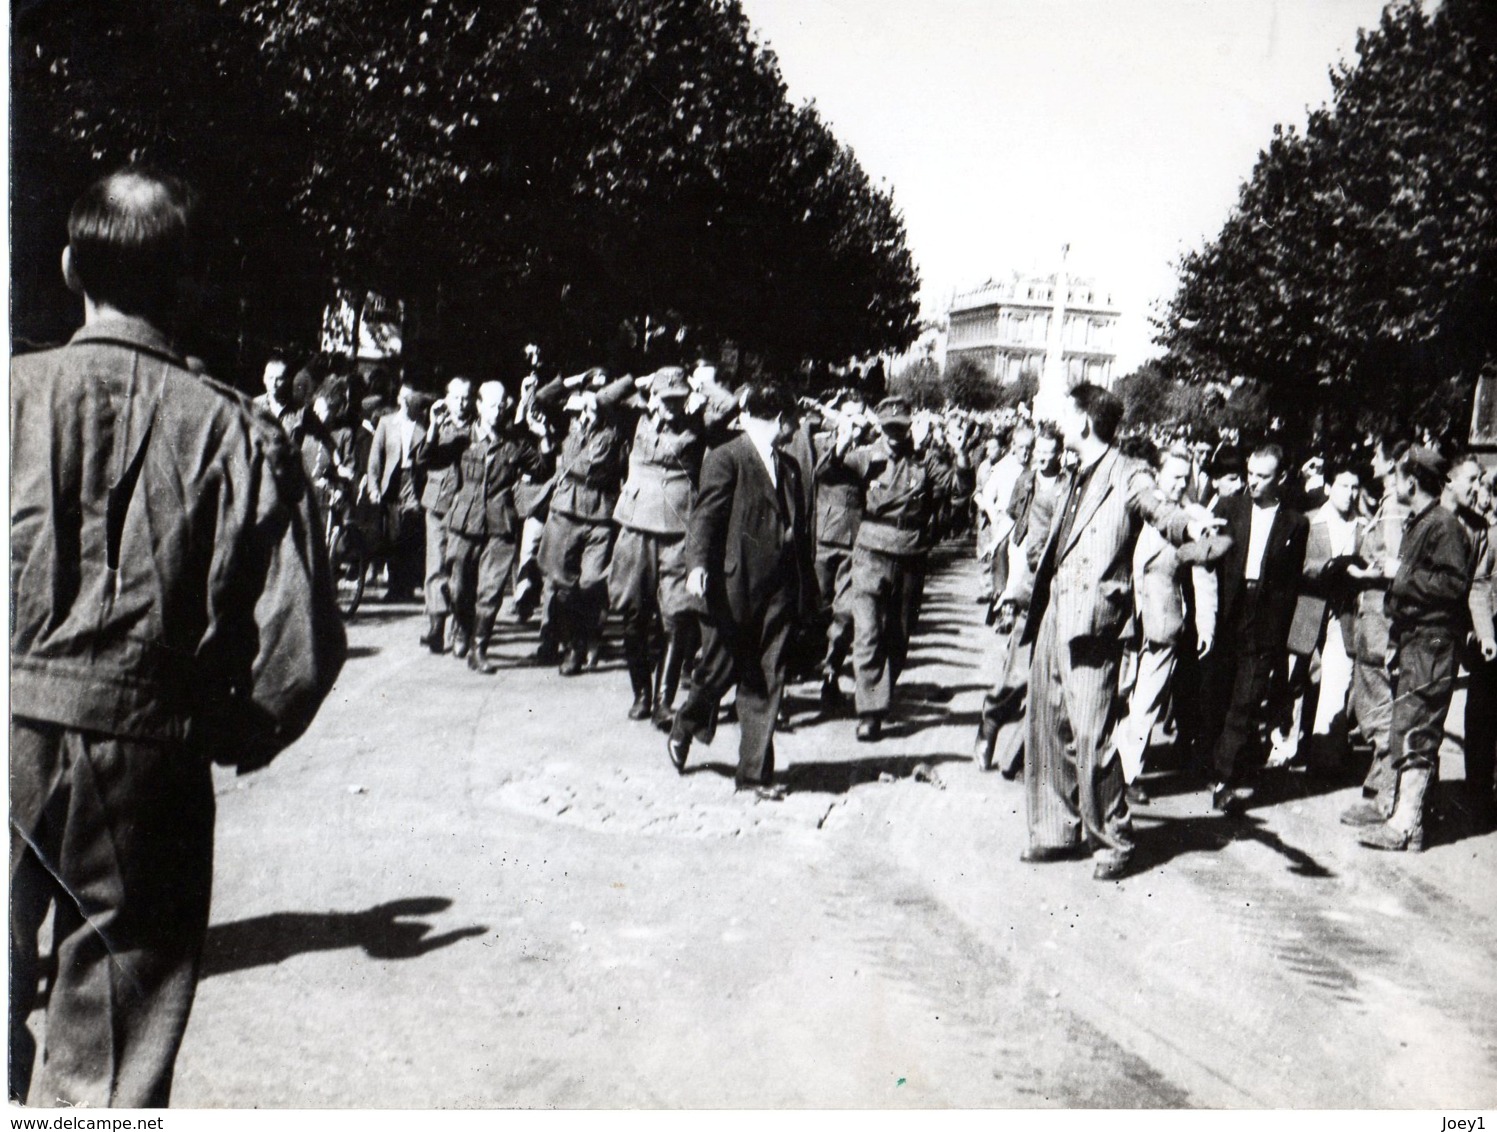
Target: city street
{"points": [[460, 891]]}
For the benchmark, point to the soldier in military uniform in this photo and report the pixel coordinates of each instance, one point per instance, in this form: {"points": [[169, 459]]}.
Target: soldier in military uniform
{"points": [[483, 525], [578, 539], [438, 452], [901, 495], [647, 575], [839, 510]]}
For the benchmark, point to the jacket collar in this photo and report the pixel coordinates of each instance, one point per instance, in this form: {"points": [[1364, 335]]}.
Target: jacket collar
{"points": [[127, 330]]}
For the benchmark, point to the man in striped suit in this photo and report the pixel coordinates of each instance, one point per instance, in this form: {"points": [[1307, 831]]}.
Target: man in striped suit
{"points": [[1083, 600]]}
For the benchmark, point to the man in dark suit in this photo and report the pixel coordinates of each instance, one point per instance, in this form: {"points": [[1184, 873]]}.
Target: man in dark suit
{"points": [[1259, 582], [748, 555]]}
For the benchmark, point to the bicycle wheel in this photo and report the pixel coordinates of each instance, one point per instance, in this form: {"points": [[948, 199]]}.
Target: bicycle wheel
{"points": [[350, 566]]}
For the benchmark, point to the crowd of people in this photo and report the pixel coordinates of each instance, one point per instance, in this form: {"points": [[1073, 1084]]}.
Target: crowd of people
{"points": [[1314, 616], [1239, 612], [1152, 596]]}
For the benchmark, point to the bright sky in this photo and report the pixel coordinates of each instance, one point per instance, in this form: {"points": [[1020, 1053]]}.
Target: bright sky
{"points": [[1009, 127]]}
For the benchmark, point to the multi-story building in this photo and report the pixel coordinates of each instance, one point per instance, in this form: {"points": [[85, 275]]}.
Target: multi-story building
{"points": [[1005, 328]]}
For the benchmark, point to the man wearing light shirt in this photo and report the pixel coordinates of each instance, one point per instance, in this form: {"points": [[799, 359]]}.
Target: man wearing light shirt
{"points": [[1258, 584]]}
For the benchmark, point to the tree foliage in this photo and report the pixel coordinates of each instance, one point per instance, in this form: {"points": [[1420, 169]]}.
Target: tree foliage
{"points": [[1356, 279], [607, 177]]}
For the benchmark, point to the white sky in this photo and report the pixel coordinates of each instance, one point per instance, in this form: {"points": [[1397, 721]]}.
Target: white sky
{"points": [[1009, 127]]}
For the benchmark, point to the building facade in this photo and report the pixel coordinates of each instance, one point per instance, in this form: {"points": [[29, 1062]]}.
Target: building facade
{"points": [[1004, 327]]}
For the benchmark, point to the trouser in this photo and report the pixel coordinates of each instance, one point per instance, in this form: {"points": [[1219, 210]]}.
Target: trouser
{"points": [[646, 579], [752, 655], [405, 535], [646, 582], [1481, 739], [115, 835], [1073, 792], [1003, 708], [1424, 663], [834, 580], [1241, 687], [885, 602], [573, 556], [1329, 728], [1146, 705], [1372, 704], [527, 569], [481, 566], [438, 594]]}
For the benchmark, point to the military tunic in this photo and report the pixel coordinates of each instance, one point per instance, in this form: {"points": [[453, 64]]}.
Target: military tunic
{"points": [[901, 496]]}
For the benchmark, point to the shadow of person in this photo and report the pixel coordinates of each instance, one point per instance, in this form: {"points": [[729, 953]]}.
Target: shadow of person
{"points": [[385, 931], [1159, 839]]}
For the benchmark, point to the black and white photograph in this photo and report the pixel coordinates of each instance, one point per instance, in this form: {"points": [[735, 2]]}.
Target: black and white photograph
{"points": [[622, 556]]}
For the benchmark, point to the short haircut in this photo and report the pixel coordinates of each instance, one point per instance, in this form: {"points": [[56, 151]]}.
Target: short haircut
{"points": [[1176, 451], [767, 402], [1272, 451], [1335, 469], [1104, 409], [131, 240]]}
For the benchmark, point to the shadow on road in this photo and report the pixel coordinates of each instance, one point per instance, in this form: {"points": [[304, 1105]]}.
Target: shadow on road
{"points": [[840, 776], [1162, 839], [383, 932]]}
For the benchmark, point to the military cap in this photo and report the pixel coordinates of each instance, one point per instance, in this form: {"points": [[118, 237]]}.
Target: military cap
{"points": [[670, 381], [893, 411]]}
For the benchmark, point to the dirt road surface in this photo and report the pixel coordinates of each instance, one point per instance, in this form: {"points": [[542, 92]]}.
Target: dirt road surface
{"points": [[461, 891]]}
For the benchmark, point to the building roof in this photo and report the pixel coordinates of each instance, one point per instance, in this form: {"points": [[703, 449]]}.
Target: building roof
{"points": [[1035, 291]]}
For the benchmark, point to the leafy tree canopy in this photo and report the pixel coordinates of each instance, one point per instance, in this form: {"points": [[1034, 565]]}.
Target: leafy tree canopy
{"points": [[1356, 279], [587, 174]]}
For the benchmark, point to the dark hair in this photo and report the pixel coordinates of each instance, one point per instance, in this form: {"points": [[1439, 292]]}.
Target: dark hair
{"points": [[1226, 460], [1140, 447], [768, 401], [130, 237], [1103, 408], [1335, 469]]}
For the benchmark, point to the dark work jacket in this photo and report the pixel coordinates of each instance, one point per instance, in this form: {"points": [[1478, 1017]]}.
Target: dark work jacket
{"points": [[483, 501], [1435, 567], [1278, 580], [750, 536], [168, 575], [438, 455], [839, 495]]}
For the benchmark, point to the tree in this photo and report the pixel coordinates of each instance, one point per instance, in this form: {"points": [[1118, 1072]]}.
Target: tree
{"points": [[919, 383], [618, 179], [967, 385], [1357, 276]]}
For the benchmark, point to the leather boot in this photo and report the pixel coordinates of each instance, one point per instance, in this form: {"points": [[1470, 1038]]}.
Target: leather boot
{"points": [[478, 654], [461, 639], [1364, 813], [637, 658], [1405, 829], [436, 634], [668, 681]]}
